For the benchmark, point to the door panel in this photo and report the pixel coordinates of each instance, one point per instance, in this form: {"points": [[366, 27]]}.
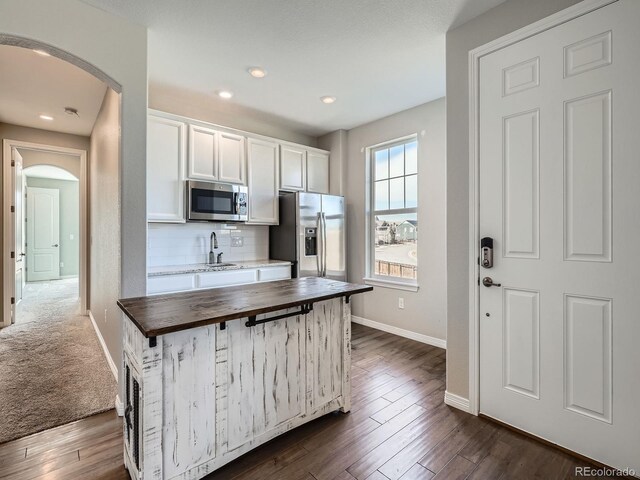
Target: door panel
{"points": [[266, 369], [309, 208], [293, 163], [558, 194], [521, 185], [203, 158], [587, 323], [166, 160], [587, 187], [263, 182], [231, 158], [43, 234], [317, 172], [18, 219], [333, 208]]}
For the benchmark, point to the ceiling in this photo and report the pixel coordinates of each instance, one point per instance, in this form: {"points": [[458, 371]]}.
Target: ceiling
{"points": [[377, 57], [48, 171], [32, 84]]}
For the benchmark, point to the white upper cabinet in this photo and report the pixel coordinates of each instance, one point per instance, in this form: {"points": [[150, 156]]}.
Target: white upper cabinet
{"points": [[166, 158], [303, 169], [203, 158], [317, 172], [293, 166], [231, 158], [263, 181], [216, 156], [180, 148]]}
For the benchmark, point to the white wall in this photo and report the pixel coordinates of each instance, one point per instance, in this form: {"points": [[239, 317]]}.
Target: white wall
{"points": [[336, 143], [493, 24], [117, 49], [104, 225], [425, 310], [184, 244], [209, 108], [70, 163]]}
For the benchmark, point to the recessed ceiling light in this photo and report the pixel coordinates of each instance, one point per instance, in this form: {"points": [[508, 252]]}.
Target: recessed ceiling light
{"points": [[46, 117], [226, 94], [42, 52], [257, 72], [327, 99]]}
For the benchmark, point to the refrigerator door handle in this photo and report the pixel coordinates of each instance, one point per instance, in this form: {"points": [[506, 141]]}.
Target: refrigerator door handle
{"points": [[319, 244], [324, 245]]}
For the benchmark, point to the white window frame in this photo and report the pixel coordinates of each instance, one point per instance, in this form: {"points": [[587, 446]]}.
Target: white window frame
{"points": [[370, 277]]}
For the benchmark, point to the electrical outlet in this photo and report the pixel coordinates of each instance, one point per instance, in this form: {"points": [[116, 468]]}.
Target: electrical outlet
{"points": [[61, 264], [71, 236], [401, 303], [237, 241], [105, 315]]}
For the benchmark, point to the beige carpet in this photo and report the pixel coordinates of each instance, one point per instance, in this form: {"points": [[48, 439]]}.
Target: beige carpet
{"points": [[52, 367]]}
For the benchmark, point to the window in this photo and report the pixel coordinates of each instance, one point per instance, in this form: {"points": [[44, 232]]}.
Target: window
{"points": [[393, 232]]}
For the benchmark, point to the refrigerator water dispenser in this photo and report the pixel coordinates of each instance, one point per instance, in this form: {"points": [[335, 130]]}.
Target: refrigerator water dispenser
{"points": [[310, 243]]}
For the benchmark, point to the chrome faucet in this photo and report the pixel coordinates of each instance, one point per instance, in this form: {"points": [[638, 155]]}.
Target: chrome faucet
{"points": [[213, 244]]}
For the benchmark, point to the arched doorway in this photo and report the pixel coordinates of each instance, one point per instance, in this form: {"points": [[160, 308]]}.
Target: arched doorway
{"points": [[53, 357]]}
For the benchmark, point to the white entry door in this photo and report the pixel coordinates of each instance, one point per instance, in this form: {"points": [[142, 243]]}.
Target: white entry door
{"points": [[18, 218], [560, 196], [43, 234]]}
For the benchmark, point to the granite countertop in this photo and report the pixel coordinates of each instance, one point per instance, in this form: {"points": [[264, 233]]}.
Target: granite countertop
{"points": [[204, 267], [173, 312]]}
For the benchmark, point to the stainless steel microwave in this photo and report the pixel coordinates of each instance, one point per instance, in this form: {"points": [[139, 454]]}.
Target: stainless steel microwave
{"points": [[210, 201]]}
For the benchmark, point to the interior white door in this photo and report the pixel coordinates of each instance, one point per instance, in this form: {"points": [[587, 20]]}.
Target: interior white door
{"points": [[559, 176], [18, 219], [43, 234]]}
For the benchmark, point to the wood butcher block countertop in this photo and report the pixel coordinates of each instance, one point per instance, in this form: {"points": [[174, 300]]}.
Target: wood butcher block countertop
{"points": [[161, 314]]}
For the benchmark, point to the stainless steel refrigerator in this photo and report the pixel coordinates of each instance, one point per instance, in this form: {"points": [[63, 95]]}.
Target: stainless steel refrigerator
{"points": [[311, 235]]}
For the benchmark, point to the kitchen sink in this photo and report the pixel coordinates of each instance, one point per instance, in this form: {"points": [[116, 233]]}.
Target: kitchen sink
{"points": [[213, 265]]}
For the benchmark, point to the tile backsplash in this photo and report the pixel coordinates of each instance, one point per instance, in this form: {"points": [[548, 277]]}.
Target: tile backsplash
{"points": [[184, 244]]}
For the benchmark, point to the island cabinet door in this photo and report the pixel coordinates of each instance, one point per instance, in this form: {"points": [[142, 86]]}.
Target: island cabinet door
{"points": [[265, 378], [189, 384], [325, 353]]}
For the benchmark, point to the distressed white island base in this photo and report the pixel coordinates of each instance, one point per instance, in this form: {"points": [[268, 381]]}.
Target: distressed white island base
{"points": [[202, 397]]}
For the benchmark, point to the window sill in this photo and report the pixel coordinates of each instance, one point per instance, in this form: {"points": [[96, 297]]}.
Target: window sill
{"points": [[409, 287]]}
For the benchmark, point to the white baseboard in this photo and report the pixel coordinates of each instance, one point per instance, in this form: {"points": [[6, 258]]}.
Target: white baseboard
{"points": [[457, 401], [119, 406], [418, 337], [112, 364]]}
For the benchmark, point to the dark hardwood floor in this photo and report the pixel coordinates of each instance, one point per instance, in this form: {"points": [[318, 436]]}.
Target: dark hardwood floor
{"points": [[398, 428]]}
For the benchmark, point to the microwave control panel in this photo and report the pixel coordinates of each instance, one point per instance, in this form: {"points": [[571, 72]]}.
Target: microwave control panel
{"points": [[242, 204]]}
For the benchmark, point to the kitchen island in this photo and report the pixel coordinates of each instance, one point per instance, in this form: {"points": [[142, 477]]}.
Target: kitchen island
{"points": [[212, 374]]}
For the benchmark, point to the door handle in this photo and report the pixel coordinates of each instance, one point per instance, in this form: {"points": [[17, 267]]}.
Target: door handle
{"points": [[324, 245], [54, 245], [488, 282], [319, 244]]}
